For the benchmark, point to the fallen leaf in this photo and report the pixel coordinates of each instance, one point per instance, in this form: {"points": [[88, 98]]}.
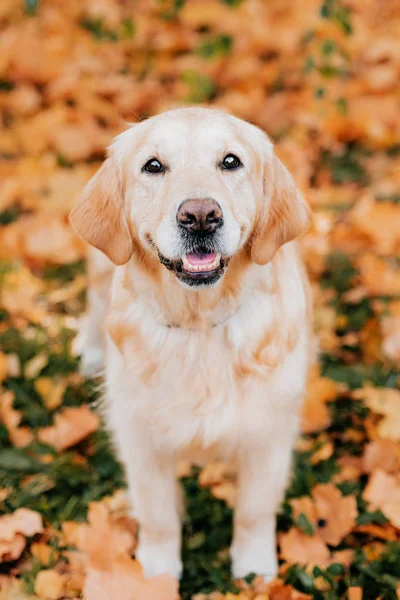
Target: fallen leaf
{"points": [[11, 418], [71, 426], [315, 413], [355, 593], [383, 492], [381, 454], [3, 366], [386, 402], [44, 553], [36, 364], [306, 506], [297, 547], [13, 530], [338, 512], [51, 391], [111, 572], [377, 220], [49, 585], [14, 590]]}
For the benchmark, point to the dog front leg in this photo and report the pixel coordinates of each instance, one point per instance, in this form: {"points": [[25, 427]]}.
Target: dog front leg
{"points": [[263, 475], [155, 497]]}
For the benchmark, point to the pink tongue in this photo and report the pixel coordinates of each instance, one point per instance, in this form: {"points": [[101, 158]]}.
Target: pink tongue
{"points": [[201, 259]]}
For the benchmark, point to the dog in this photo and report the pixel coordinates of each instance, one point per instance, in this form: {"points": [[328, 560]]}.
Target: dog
{"points": [[207, 326]]}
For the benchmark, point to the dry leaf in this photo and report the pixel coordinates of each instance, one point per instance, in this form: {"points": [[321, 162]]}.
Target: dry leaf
{"points": [[36, 364], [13, 529], [71, 426], [383, 492], [3, 366], [49, 585], [381, 454], [20, 436], [43, 552], [383, 401], [297, 547], [51, 391], [355, 593], [337, 511], [315, 413], [14, 590], [377, 220], [305, 506], [111, 572]]}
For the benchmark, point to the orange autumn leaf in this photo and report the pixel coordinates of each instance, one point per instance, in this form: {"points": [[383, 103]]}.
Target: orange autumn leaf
{"points": [[305, 505], [13, 530], [71, 426], [102, 539], [315, 413], [111, 572], [124, 580], [381, 454], [355, 593], [379, 221], [297, 547], [49, 585], [338, 512], [385, 402], [379, 277], [383, 492], [11, 418]]}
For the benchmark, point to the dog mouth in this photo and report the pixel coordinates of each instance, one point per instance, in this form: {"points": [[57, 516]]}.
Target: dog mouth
{"points": [[197, 268], [201, 262]]}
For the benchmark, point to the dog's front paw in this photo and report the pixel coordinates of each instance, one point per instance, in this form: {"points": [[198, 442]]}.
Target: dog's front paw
{"points": [[92, 362], [160, 559], [256, 556]]}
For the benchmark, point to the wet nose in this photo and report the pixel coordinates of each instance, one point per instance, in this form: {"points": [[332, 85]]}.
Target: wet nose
{"points": [[200, 215]]}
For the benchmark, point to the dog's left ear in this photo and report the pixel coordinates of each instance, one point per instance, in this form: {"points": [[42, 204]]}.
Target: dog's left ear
{"points": [[287, 218]]}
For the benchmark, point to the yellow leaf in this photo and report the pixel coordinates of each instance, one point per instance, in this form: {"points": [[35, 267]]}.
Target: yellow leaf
{"points": [[71, 426], [49, 585]]}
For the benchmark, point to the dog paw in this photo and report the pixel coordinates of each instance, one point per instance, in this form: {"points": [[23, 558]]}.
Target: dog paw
{"points": [[255, 557], [92, 362], [159, 559]]}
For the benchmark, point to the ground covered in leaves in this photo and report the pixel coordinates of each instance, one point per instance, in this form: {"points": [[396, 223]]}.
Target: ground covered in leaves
{"points": [[322, 78]]}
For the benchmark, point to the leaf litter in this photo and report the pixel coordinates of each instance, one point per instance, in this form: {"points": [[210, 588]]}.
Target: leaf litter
{"points": [[324, 83]]}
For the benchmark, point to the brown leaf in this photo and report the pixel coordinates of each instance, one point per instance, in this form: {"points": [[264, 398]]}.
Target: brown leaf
{"points": [[111, 572], [51, 391], [13, 529], [377, 220], [383, 401], [71, 426], [102, 540], [297, 547], [305, 506], [315, 413], [337, 511], [355, 593], [49, 585], [383, 492], [381, 454], [20, 436]]}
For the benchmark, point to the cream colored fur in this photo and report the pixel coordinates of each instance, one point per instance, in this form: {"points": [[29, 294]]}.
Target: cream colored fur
{"points": [[213, 371]]}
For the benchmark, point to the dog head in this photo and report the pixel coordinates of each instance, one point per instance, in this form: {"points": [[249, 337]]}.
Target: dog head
{"points": [[193, 186]]}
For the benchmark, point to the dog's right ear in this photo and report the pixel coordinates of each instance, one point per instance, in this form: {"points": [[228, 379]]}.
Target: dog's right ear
{"points": [[99, 216]]}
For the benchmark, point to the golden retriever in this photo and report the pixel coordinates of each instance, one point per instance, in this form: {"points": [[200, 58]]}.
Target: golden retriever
{"points": [[208, 321]]}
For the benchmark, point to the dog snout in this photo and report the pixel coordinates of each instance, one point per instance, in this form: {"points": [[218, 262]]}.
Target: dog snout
{"points": [[200, 215]]}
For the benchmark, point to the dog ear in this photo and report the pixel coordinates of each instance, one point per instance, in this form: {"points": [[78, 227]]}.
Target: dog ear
{"points": [[99, 216], [288, 215]]}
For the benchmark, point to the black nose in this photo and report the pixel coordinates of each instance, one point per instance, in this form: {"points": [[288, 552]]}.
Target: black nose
{"points": [[200, 216]]}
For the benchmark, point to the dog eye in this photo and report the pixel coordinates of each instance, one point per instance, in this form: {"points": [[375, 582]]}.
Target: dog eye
{"points": [[231, 162], [154, 166]]}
